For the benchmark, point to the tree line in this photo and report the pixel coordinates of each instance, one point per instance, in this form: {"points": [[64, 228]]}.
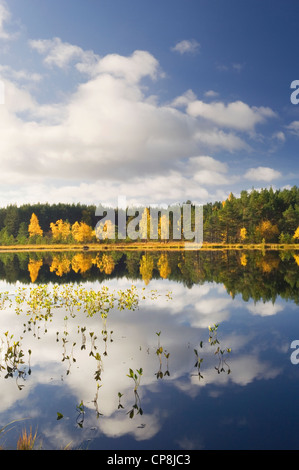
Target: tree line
{"points": [[253, 217], [256, 216]]}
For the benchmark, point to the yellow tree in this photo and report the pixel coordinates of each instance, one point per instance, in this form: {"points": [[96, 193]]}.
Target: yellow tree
{"points": [[267, 230], [163, 265], [146, 268], [268, 263], [164, 227], [243, 233], [33, 268], [60, 265], [81, 263], [243, 259], [296, 234], [106, 263], [144, 225], [34, 227], [82, 232], [105, 230], [60, 230]]}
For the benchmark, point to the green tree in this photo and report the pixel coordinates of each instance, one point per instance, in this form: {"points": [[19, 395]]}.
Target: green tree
{"points": [[290, 219], [11, 220], [22, 236]]}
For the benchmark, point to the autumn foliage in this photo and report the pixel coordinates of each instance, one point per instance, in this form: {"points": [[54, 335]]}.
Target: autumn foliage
{"points": [[60, 230], [82, 232], [34, 227]]}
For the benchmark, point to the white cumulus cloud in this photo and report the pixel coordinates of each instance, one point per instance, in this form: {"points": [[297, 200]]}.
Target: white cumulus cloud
{"points": [[236, 115], [60, 54], [262, 173]]}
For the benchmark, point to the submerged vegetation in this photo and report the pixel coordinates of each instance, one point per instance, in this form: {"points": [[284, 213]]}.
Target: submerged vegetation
{"points": [[38, 305]]}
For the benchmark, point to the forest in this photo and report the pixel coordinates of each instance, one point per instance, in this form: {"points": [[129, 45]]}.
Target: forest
{"points": [[256, 216]]}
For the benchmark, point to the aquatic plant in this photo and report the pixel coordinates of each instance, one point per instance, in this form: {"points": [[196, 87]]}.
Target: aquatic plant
{"points": [[135, 376], [26, 440], [198, 362]]}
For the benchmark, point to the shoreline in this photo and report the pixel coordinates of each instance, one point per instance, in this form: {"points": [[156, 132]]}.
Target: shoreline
{"points": [[149, 247]]}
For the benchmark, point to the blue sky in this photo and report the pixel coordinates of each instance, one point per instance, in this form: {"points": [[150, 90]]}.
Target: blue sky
{"points": [[159, 102]]}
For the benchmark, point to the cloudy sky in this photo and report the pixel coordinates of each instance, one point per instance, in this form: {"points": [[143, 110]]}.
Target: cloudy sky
{"points": [[156, 101]]}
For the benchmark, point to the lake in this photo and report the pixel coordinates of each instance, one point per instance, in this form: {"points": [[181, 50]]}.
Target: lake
{"points": [[187, 351]]}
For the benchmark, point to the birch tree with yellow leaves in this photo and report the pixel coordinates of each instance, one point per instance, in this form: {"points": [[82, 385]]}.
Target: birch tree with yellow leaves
{"points": [[146, 268], [267, 231], [164, 227], [81, 232], [60, 230], [33, 268], [34, 227], [163, 266], [105, 230], [144, 225]]}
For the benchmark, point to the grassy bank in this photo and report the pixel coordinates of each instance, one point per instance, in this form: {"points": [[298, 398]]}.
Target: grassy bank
{"points": [[146, 246]]}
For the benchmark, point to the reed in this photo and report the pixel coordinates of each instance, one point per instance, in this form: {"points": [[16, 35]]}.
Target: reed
{"points": [[26, 440]]}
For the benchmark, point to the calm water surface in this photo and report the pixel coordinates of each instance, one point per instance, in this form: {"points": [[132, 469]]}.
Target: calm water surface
{"points": [[232, 386]]}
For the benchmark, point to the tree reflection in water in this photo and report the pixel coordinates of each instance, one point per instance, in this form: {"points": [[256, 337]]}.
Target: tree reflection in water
{"points": [[54, 300]]}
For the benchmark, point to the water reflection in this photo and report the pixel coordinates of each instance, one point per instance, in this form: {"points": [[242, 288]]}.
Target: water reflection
{"points": [[100, 359], [168, 362], [254, 274]]}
